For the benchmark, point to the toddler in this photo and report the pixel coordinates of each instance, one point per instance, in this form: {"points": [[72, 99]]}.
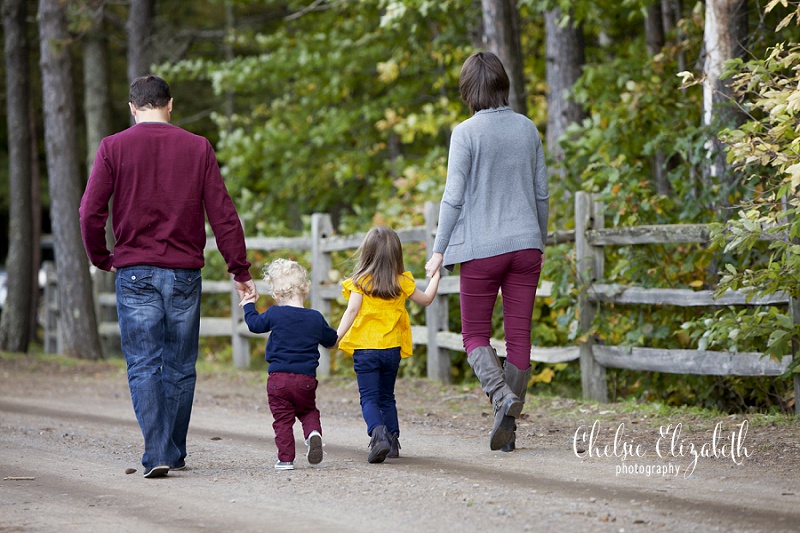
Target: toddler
{"points": [[293, 356]]}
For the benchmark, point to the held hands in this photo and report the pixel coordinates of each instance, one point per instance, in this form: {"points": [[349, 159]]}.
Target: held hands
{"points": [[434, 264], [246, 301], [247, 292]]}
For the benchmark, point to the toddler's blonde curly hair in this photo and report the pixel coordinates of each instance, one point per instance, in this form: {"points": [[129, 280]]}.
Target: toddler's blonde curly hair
{"points": [[286, 278]]}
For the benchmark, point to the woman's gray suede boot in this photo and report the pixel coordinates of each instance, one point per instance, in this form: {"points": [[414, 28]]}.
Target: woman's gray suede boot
{"points": [[517, 381], [507, 407], [394, 446]]}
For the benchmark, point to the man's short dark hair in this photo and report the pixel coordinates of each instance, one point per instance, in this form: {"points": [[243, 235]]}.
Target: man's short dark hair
{"points": [[149, 92], [483, 82]]}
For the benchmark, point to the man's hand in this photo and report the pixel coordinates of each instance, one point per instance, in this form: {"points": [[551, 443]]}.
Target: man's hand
{"points": [[247, 291]]}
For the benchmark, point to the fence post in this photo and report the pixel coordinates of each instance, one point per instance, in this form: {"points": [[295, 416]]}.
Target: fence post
{"points": [[105, 283], [52, 335], [436, 313], [589, 263], [239, 343], [321, 228]]}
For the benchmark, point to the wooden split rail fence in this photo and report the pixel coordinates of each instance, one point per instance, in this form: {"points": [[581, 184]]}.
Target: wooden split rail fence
{"points": [[590, 238]]}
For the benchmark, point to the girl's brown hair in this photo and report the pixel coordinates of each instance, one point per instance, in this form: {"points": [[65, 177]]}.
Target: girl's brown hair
{"points": [[380, 261], [483, 82]]}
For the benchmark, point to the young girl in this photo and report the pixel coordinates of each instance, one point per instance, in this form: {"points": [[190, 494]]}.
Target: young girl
{"points": [[376, 330], [293, 356]]}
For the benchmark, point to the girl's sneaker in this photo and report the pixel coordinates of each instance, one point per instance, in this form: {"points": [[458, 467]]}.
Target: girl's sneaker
{"points": [[284, 465], [378, 445], [314, 443]]}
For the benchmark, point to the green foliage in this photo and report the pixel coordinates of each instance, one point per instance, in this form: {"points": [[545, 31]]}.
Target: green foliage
{"points": [[347, 109], [635, 111], [766, 225], [723, 393], [339, 110], [639, 113]]}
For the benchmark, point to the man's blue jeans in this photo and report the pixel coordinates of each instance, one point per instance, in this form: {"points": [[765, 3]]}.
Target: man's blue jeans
{"points": [[159, 319], [376, 372]]}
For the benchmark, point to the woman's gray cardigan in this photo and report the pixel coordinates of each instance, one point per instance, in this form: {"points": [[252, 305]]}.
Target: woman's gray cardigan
{"points": [[496, 198]]}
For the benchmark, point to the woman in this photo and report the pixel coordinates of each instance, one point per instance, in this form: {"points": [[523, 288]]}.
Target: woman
{"points": [[493, 222]]}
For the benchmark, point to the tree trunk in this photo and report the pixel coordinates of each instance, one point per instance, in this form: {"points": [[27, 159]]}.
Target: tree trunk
{"points": [[501, 36], [476, 32], [77, 316], [564, 49], [671, 11], [97, 110], [15, 324], [670, 14], [654, 29], [96, 81], [36, 222], [723, 36], [140, 20], [655, 37]]}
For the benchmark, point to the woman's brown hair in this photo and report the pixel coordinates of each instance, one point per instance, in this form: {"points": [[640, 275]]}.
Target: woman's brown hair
{"points": [[380, 261], [483, 82]]}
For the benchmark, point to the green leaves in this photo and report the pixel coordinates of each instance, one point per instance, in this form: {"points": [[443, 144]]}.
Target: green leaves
{"points": [[345, 109]]}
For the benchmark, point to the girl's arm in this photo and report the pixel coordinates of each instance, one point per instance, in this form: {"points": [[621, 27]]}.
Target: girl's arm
{"points": [[425, 298], [350, 314]]}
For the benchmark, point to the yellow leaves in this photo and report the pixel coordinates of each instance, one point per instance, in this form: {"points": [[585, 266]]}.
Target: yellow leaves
{"points": [[793, 101], [774, 3], [545, 376], [388, 71], [794, 172], [696, 284], [393, 13], [683, 338], [788, 18], [777, 110], [688, 79], [785, 22], [390, 121]]}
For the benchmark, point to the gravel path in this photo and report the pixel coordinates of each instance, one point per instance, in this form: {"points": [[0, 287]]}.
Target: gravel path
{"points": [[68, 434]]}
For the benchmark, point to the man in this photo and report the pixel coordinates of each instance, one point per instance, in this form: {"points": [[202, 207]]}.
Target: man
{"points": [[163, 181]]}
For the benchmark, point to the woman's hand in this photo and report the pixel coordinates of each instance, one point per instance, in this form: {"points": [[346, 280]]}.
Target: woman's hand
{"points": [[434, 264]]}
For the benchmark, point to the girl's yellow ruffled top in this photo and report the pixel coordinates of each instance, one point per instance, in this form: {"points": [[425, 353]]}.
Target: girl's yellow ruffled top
{"points": [[380, 323]]}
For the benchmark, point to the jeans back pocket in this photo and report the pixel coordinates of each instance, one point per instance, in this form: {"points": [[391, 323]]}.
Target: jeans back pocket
{"points": [[186, 291], [135, 286]]}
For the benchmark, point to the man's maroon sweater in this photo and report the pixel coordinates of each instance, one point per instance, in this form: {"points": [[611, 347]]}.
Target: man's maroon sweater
{"points": [[163, 181]]}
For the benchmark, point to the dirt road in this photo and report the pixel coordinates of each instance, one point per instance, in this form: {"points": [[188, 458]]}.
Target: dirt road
{"points": [[68, 434]]}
